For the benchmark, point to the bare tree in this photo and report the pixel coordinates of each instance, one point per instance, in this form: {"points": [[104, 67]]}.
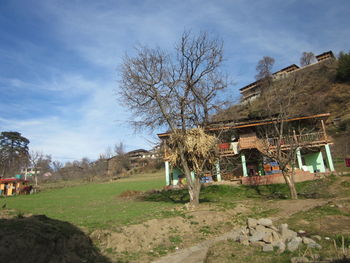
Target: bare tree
{"points": [[264, 68], [278, 100], [35, 158], [119, 149], [307, 58], [178, 92]]}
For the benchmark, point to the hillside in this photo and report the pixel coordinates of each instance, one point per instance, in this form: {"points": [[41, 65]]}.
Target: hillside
{"points": [[315, 90]]}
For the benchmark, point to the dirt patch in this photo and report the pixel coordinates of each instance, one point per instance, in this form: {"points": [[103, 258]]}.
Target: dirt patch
{"points": [[130, 194], [334, 225], [168, 234], [290, 207]]}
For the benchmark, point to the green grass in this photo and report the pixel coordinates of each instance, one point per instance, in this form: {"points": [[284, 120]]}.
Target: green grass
{"points": [[93, 205]]}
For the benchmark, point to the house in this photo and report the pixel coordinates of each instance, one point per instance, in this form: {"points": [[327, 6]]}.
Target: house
{"points": [[12, 186], [132, 159], [245, 148], [253, 90]]}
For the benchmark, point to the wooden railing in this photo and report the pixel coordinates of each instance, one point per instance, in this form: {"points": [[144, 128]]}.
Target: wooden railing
{"points": [[251, 142], [300, 139]]}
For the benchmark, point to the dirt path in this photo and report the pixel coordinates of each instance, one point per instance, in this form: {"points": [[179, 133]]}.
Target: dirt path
{"points": [[197, 253]]}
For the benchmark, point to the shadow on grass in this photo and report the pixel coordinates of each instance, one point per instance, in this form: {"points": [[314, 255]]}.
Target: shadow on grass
{"points": [[41, 239], [176, 196], [211, 193], [218, 193]]}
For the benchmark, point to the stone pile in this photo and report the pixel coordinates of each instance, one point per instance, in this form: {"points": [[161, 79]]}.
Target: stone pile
{"points": [[262, 233]]}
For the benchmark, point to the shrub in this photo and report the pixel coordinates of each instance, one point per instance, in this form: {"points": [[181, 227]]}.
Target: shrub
{"points": [[343, 70]]}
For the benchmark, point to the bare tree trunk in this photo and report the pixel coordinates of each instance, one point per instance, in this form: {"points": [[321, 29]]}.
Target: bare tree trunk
{"points": [[290, 182], [194, 191], [194, 186]]}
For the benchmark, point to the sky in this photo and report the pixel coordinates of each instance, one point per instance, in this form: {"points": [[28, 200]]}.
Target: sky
{"points": [[60, 60]]}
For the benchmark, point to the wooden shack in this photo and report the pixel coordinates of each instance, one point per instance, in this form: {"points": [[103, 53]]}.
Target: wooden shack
{"points": [[12, 186]]}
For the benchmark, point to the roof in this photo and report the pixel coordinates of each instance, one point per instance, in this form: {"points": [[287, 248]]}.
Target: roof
{"points": [[325, 55], [250, 123], [286, 69], [138, 151], [11, 180]]}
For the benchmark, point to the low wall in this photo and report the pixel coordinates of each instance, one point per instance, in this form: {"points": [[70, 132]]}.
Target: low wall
{"points": [[300, 176]]}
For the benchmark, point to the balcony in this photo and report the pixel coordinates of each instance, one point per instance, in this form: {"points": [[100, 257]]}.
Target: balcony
{"points": [[251, 141]]}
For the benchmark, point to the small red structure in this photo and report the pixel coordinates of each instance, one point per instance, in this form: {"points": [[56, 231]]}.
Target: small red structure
{"points": [[13, 186], [347, 162]]}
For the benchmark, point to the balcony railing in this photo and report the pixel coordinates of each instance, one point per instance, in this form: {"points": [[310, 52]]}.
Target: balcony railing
{"points": [[252, 141], [300, 139]]}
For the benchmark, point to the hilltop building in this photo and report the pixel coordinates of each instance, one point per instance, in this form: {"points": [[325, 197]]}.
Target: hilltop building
{"points": [[254, 89]]}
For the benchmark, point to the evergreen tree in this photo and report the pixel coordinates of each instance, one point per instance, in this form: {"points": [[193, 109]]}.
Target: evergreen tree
{"points": [[13, 152]]}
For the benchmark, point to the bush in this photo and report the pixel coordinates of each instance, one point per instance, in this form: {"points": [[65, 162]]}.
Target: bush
{"points": [[343, 70]]}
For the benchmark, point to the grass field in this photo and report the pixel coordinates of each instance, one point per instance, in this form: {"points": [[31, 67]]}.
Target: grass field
{"points": [[94, 205], [98, 205]]}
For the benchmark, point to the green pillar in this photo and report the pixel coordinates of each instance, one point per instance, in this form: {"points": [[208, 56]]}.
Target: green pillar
{"points": [[218, 174], [329, 158], [167, 173], [300, 162], [244, 165]]}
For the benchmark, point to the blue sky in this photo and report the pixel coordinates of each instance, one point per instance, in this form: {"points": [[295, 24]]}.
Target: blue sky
{"points": [[59, 59]]}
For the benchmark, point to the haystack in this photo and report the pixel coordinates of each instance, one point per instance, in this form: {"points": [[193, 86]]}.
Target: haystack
{"points": [[200, 149]]}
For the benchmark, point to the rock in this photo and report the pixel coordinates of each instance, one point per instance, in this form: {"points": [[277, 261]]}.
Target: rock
{"points": [[245, 231], [260, 228], [252, 223], [317, 237], [234, 236], [257, 244], [281, 247], [314, 245], [294, 244], [283, 228], [299, 260], [275, 236], [252, 231], [267, 237], [327, 238], [273, 228], [267, 248], [265, 222], [257, 236], [287, 234], [307, 240], [243, 239]]}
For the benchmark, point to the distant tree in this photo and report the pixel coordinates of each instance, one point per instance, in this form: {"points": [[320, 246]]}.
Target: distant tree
{"points": [[120, 163], [36, 158], [13, 152], [119, 149], [343, 70], [264, 68], [85, 163], [176, 91], [307, 58]]}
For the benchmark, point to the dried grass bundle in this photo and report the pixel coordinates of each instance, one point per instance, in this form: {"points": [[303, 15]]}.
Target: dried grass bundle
{"points": [[200, 149]]}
